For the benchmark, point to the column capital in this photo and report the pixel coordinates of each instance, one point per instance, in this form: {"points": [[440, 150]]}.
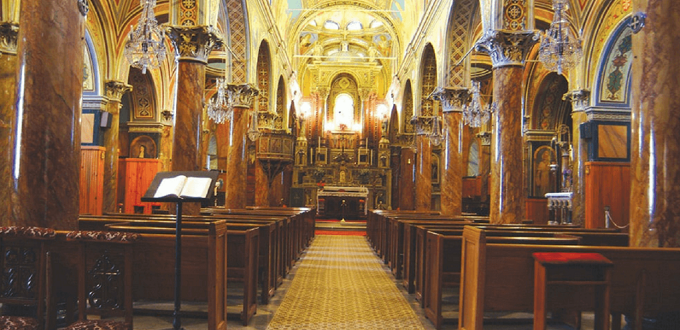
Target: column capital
{"points": [[423, 124], [323, 92], [507, 48], [194, 43], [8, 37], [115, 89], [242, 95], [485, 137], [579, 98], [452, 99]]}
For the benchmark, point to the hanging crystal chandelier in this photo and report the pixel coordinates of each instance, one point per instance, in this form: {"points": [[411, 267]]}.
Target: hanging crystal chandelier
{"points": [[220, 107], [145, 49], [560, 50], [474, 114]]}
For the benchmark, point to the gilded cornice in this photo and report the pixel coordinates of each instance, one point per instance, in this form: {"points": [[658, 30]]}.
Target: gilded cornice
{"points": [[8, 37], [194, 43], [507, 48]]}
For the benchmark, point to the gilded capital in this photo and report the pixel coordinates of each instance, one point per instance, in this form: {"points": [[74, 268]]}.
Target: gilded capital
{"points": [[423, 124], [115, 90], [242, 95], [8, 37], [507, 48], [485, 138], [580, 99], [451, 99], [194, 43]]}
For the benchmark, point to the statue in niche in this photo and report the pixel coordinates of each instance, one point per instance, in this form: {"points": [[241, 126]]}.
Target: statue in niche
{"points": [[142, 151], [343, 176]]}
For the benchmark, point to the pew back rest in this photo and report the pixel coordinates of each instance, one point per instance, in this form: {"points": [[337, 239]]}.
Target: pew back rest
{"points": [[23, 281], [499, 277]]}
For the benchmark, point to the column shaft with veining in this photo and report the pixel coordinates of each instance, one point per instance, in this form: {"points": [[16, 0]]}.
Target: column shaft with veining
{"points": [[46, 148], [508, 51], [237, 161], [655, 145], [452, 100], [423, 190], [114, 91], [8, 61]]}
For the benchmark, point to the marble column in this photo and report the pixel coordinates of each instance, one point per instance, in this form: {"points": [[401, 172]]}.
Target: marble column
{"points": [[452, 100], [484, 164], [262, 184], [580, 100], [237, 160], [8, 61], [508, 52], [46, 164], [423, 192], [406, 182], [222, 134], [655, 146], [114, 91], [194, 44]]}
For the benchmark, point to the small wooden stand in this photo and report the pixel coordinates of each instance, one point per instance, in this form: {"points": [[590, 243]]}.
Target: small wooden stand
{"points": [[149, 197], [572, 270]]}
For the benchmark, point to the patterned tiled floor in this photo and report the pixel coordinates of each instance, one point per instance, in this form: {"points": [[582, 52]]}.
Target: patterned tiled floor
{"points": [[328, 289], [341, 285]]}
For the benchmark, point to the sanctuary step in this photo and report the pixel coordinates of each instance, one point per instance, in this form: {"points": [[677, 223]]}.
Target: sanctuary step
{"points": [[340, 225]]}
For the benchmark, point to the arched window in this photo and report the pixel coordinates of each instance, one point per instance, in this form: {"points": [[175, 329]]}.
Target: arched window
{"points": [[343, 112]]}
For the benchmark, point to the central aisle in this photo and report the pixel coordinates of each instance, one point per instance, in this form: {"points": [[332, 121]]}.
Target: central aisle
{"points": [[341, 284]]}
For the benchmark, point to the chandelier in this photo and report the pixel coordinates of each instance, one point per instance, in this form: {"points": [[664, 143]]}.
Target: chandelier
{"points": [[474, 114], [560, 50], [220, 107], [145, 49]]}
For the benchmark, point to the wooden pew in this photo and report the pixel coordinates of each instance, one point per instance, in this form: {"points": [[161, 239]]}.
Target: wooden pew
{"points": [[442, 263], [204, 269], [270, 273], [241, 258], [292, 236], [415, 232], [500, 277]]}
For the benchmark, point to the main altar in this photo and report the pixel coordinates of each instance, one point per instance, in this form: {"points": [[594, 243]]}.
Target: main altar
{"points": [[346, 203]]}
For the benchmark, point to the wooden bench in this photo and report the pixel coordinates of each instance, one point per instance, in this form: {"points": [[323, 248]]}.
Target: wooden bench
{"points": [[204, 262], [241, 258], [500, 277], [271, 228]]}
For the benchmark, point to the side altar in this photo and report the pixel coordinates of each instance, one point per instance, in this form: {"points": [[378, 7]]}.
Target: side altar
{"points": [[347, 203]]}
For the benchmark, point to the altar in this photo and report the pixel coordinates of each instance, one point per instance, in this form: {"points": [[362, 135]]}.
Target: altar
{"points": [[348, 203]]}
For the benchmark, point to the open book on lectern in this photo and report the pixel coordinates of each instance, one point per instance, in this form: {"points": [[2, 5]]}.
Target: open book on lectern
{"points": [[182, 185]]}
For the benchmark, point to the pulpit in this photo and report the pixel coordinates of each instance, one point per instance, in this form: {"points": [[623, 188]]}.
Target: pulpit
{"points": [[347, 203]]}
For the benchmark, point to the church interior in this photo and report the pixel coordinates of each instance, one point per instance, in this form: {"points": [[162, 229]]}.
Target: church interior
{"points": [[484, 153]]}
